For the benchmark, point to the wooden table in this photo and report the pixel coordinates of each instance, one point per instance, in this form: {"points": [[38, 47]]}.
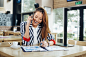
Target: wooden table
{"points": [[72, 52], [7, 33], [1, 39], [1, 33], [17, 33], [5, 44], [11, 39]]}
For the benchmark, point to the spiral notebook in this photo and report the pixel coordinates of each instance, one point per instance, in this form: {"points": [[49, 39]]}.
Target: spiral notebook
{"points": [[42, 49]]}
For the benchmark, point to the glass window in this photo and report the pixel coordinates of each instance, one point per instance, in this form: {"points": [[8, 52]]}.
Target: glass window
{"points": [[28, 6], [25, 17], [1, 3], [84, 33], [58, 24], [73, 20]]}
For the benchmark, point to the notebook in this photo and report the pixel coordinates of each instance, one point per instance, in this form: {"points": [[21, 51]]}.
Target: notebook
{"points": [[42, 49]]}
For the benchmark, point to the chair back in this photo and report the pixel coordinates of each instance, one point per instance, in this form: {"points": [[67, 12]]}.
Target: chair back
{"points": [[81, 43], [71, 42], [1, 33]]}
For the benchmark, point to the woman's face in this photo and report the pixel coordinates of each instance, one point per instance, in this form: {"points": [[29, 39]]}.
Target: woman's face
{"points": [[37, 18]]}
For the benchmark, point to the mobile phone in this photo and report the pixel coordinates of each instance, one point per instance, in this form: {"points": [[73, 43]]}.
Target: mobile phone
{"points": [[32, 15]]}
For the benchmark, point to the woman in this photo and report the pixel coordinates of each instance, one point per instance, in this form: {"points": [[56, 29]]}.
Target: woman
{"points": [[36, 29]]}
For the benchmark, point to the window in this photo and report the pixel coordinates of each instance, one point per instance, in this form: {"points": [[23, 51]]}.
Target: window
{"points": [[27, 9], [73, 19], [26, 15], [58, 24], [1, 3], [28, 6], [75, 24], [84, 32]]}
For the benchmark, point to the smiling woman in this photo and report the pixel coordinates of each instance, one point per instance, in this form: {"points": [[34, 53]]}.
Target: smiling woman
{"points": [[37, 19], [36, 29]]}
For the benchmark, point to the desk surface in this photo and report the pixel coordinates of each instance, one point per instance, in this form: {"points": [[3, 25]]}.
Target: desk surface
{"points": [[20, 53], [1, 39], [7, 38], [11, 32]]}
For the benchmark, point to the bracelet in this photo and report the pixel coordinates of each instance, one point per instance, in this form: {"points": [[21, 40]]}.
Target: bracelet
{"points": [[48, 44]]}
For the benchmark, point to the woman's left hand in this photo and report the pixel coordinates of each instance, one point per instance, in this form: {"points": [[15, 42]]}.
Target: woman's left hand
{"points": [[44, 43]]}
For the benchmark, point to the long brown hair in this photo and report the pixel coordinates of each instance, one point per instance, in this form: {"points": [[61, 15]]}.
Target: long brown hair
{"points": [[45, 28]]}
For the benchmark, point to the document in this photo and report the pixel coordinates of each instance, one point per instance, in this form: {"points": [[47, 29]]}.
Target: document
{"points": [[42, 49], [54, 48], [32, 48]]}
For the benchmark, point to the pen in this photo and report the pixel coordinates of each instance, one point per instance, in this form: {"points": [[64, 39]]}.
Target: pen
{"points": [[43, 40]]}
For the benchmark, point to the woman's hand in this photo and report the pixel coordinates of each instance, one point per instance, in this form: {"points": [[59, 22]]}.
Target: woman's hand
{"points": [[26, 35], [44, 43], [29, 20]]}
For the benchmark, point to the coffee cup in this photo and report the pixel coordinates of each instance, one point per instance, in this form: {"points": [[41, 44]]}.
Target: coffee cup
{"points": [[15, 43]]}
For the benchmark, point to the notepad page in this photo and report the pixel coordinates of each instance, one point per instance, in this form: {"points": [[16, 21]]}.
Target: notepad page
{"points": [[52, 48], [33, 48]]}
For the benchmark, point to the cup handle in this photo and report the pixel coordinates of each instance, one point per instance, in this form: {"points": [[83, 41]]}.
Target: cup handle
{"points": [[10, 43]]}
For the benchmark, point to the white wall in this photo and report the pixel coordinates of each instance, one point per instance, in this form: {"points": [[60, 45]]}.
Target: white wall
{"points": [[8, 6], [39, 1], [49, 3]]}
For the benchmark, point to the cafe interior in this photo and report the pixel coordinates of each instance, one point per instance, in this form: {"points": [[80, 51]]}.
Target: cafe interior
{"points": [[66, 20]]}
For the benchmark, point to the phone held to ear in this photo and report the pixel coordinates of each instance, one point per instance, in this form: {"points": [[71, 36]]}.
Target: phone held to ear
{"points": [[32, 15]]}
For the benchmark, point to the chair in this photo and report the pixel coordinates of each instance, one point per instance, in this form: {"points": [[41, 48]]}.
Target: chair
{"points": [[7, 33], [71, 42], [4, 44], [1, 33], [81, 43], [14, 40], [17, 34]]}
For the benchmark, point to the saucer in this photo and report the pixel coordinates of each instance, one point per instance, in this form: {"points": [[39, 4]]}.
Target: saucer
{"points": [[15, 47]]}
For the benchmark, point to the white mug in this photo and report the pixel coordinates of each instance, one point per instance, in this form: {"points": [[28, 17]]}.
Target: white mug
{"points": [[15, 43], [15, 29]]}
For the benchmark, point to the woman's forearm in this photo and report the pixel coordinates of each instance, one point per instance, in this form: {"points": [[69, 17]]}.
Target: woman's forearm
{"points": [[27, 27], [26, 35]]}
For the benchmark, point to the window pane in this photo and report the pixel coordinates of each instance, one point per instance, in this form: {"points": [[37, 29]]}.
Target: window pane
{"points": [[73, 24], [84, 25], [1, 3], [58, 24], [26, 17], [28, 6]]}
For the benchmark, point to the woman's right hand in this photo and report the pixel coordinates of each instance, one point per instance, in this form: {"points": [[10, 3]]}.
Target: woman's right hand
{"points": [[29, 20], [26, 35]]}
